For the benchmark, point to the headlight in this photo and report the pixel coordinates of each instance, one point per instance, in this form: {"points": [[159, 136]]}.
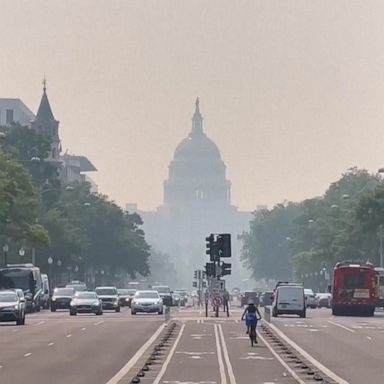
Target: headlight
{"points": [[127, 299], [73, 303], [53, 299], [96, 303], [16, 306]]}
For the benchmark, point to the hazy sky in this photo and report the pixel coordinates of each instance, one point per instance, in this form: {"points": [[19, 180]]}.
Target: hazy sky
{"points": [[292, 92]]}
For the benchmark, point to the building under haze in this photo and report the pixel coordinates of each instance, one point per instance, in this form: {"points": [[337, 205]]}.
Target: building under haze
{"points": [[197, 202]]}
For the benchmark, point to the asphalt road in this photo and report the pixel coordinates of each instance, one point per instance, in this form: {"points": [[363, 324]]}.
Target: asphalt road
{"points": [[85, 349], [351, 347]]}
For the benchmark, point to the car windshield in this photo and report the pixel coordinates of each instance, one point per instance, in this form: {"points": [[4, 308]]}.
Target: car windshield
{"points": [[77, 287], [85, 295], [162, 289], [63, 292], [8, 297], [106, 291], [147, 295], [122, 292]]}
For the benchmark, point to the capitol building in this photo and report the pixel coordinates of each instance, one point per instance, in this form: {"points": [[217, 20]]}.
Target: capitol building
{"points": [[197, 202]]}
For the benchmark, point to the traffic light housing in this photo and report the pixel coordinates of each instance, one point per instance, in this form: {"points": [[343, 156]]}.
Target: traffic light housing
{"points": [[211, 247], [224, 245], [225, 269], [194, 284], [195, 274], [210, 269]]}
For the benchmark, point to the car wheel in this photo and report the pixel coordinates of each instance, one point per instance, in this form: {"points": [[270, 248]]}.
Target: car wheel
{"points": [[117, 309], [19, 321], [53, 309], [133, 312], [72, 313], [99, 313], [160, 312], [303, 314]]}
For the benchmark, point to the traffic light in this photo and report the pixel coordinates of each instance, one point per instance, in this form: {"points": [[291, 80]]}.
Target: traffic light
{"points": [[224, 245], [194, 284], [204, 284], [195, 274], [225, 269], [210, 269], [211, 247]]}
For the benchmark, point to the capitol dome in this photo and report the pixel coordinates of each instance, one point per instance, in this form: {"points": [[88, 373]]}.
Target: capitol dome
{"points": [[197, 172]]}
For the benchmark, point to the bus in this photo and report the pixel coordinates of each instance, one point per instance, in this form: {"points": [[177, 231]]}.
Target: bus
{"points": [[355, 288], [26, 277], [380, 300]]}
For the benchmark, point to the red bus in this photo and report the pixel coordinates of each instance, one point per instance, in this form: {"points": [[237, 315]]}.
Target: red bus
{"points": [[355, 288]]}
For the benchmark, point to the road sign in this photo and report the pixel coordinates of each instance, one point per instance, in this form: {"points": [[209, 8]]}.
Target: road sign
{"points": [[216, 300]]}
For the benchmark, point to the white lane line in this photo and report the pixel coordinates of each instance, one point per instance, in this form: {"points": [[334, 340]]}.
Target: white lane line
{"points": [[50, 344], [68, 336], [99, 322], [281, 361], [83, 329], [341, 326], [131, 363], [39, 323], [169, 357], [369, 337], [311, 359], [28, 354], [223, 377], [226, 356]]}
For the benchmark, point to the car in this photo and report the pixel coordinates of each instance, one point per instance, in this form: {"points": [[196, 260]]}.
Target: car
{"points": [[266, 298], [324, 300], [183, 296], [77, 286], [165, 294], [61, 298], [85, 302], [310, 298], [289, 299], [20, 293], [125, 296], [109, 298], [248, 296], [12, 307], [147, 302], [176, 299]]}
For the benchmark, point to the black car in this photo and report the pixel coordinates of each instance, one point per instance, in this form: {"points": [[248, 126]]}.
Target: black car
{"points": [[61, 298], [12, 307], [125, 296], [249, 296], [85, 302]]}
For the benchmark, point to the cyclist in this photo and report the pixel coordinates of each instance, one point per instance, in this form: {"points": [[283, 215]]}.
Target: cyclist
{"points": [[252, 315]]}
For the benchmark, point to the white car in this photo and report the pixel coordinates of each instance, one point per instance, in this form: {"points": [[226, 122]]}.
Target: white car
{"points": [[310, 298], [147, 302]]}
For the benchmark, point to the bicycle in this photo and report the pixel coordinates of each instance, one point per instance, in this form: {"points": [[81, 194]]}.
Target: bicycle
{"points": [[253, 335]]}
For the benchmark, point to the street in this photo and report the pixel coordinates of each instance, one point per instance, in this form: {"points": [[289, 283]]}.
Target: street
{"points": [[113, 348]]}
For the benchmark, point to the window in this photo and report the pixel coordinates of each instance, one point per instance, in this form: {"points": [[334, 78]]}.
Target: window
{"points": [[9, 116]]}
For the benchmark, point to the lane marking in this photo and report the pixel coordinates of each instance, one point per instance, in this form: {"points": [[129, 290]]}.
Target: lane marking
{"points": [[28, 354], [305, 354], [281, 361], [226, 356], [341, 326], [50, 344], [83, 329], [369, 337], [223, 377], [68, 336], [169, 357], [131, 363], [39, 323], [99, 322]]}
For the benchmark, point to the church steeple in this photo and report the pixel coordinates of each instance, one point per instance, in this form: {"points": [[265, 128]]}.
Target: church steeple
{"points": [[197, 119], [46, 124]]}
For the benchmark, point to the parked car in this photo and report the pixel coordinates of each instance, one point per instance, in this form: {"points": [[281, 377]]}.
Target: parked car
{"points": [[310, 298], [85, 302], [165, 294], [109, 298], [266, 298], [289, 299], [12, 307], [147, 302], [324, 300], [61, 298]]}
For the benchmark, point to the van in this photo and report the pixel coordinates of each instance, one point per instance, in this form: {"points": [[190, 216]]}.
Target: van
{"points": [[45, 296], [289, 300]]}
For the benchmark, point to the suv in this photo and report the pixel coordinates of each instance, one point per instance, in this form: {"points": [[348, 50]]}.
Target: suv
{"points": [[12, 307], [109, 298]]}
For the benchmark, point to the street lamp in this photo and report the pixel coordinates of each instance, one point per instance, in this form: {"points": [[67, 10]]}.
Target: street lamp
{"points": [[5, 251]]}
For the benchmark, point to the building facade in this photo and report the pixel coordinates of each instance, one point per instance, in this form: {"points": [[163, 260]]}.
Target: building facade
{"points": [[14, 111], [197, 202]]}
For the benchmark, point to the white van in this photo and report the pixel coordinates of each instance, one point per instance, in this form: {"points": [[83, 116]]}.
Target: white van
{"points": [[289, 299], [45, 296]]}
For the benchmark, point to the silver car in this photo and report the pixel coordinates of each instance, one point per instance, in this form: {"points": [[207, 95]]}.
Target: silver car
{"points": [[147, 302], [12, 307], [310, 298]]}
